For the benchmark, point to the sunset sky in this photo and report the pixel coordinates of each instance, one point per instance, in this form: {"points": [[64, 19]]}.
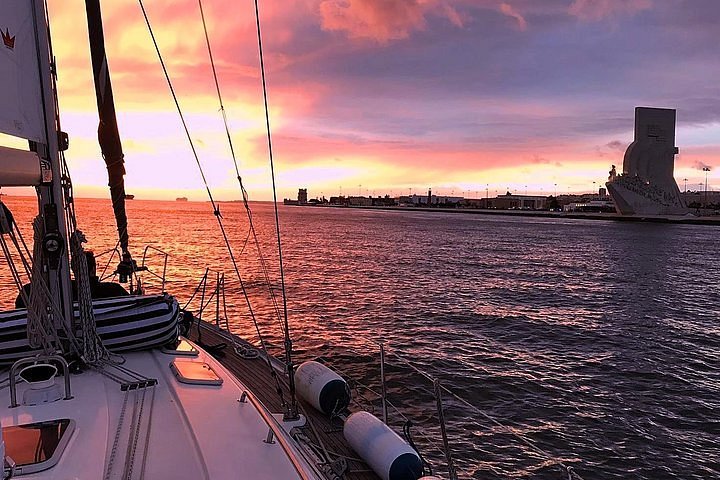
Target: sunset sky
{"points": [[394, 94]]}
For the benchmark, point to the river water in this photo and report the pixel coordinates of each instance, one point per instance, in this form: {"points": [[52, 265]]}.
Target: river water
{"points": [[598, 342]]}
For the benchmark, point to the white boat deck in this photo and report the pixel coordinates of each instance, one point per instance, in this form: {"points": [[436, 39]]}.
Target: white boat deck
{"points": [[173, 430]]}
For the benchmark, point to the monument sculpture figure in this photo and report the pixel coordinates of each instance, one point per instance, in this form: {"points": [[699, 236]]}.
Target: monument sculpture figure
{"points": [[647, 185]]}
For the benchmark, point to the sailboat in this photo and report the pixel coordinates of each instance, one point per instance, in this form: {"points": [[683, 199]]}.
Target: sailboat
{"points": [[102, 382]]}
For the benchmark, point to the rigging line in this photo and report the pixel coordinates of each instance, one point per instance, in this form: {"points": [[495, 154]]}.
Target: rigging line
{"points": [[216, 210], [217, 88], [263, 263], [288, 342], [529, 443]]}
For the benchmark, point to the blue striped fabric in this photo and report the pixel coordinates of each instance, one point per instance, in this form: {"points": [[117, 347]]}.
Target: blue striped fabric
{"points": [[123, 324]]}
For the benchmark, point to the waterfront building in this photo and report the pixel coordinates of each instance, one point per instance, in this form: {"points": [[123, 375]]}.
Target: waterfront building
{"points": [[598, 205], [702, 199], [429, 200], [359, 201], [511, 201], [302, 196]]}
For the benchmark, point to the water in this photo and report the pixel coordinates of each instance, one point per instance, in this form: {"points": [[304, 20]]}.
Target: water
{"points": [[598, 341]]}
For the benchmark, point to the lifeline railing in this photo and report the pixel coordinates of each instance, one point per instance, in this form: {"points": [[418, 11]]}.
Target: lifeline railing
{"points": [[144, 266], [206, 293], [438, 391]]}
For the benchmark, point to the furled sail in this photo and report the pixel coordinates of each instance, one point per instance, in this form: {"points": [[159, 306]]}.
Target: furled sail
{"points": [[21, 114], [108, 135]]}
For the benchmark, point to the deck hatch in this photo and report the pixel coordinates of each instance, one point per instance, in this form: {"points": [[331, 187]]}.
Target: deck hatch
{"points": [[195, 373], [183, 348], [37, 446]]}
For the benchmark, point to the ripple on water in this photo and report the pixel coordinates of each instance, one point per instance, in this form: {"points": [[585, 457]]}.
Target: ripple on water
{"points": [[598, 341]]}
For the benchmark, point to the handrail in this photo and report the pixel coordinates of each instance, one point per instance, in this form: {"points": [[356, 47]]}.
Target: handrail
{"points": [[30, 360], [165, 262], [443, 430], [276, 430], [568, 469], [382, 383], [112, 252]]}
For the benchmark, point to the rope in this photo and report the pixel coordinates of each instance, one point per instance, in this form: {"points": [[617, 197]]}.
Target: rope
{"points": [[42, 331], [93, 349], [568, 469], [116, 438], [216, 210], [243, 191], [288, 341], [146, 447], [217, 88]]}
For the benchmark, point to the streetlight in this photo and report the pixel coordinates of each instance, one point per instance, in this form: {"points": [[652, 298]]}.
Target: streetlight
{"points": [[706, 170]]}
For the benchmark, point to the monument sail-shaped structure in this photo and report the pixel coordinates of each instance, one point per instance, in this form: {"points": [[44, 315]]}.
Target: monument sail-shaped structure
{"points": [[647, 185]]}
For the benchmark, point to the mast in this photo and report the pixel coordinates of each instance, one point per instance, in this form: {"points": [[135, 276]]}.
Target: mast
{"points": [[51, 196], [108, 135]]}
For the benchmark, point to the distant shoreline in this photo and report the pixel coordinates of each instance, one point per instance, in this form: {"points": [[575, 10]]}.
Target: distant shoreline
{"points": [[615, 217], [610, 217]]}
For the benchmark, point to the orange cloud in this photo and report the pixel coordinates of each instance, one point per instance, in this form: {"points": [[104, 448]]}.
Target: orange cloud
{"points": [[382, 20], [508, 10]]}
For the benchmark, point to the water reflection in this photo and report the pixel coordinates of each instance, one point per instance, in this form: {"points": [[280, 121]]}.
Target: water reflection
{"points": [[598, 340]]}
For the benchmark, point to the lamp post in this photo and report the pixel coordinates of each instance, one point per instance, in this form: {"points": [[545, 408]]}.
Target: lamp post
{"points": [[700, 186], [706, 170]]}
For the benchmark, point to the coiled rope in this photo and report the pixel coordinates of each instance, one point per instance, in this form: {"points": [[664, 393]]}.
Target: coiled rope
{"points": [[94, 352], [41, 309]]}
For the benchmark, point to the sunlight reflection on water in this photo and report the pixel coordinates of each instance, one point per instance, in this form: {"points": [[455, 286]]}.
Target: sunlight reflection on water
{"points": [[599, 341]]}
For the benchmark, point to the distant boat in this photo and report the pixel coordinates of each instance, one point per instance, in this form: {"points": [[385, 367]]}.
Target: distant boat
{"points": [[129, 196], [181, 199]]}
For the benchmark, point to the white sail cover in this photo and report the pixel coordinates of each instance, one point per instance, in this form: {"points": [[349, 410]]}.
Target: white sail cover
{"points": [[21, 113]]}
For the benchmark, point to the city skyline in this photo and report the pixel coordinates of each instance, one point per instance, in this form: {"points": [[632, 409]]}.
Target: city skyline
{"points": [[393, 95]]}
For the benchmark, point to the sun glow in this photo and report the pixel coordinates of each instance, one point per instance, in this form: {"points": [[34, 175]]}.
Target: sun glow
{"points": [[365, 96]]}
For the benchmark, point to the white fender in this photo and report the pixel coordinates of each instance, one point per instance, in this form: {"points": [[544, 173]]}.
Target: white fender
{"points": [[324, 389], [390, 457]]}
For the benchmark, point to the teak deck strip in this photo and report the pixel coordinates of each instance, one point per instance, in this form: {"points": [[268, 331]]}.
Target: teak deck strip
{"points": [[255, 375]]}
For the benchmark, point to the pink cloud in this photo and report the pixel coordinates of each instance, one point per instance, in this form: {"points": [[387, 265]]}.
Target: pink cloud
{"points": [[595, 10], [382, 20], [508, 10]]}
